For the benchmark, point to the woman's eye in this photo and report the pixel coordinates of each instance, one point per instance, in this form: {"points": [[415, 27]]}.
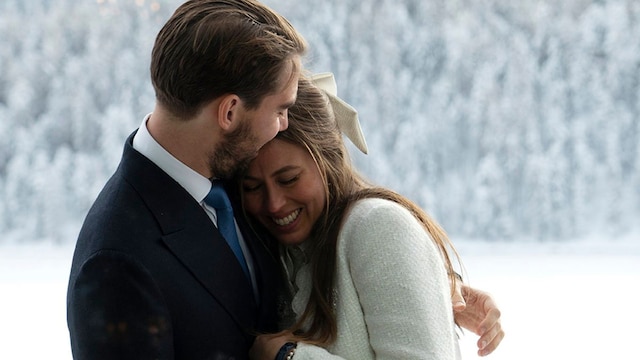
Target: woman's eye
{"points": [[250, 187], [290, 181]]}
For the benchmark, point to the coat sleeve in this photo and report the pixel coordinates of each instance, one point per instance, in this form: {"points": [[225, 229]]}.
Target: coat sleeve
{"points": [[115, 311], [401, 282]]}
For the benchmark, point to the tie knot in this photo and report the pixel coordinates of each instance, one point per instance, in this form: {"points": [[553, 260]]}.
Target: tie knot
{"points": [[217, 197]]}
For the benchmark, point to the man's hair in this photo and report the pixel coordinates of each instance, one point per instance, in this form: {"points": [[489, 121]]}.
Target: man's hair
{"points": [[209, 48]]}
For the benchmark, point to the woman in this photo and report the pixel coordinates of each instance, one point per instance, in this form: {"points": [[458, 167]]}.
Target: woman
{"points": [[367, 267]]}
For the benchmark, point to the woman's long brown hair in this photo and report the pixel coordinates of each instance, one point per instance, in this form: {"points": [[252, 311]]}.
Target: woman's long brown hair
{"points": [[312, 126]]}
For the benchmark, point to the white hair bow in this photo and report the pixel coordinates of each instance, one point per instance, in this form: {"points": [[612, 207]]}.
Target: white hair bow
{"points": [[346, 116]]}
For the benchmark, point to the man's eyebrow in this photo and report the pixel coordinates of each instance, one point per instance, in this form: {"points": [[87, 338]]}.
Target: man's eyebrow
{"points": [[287, 105]]}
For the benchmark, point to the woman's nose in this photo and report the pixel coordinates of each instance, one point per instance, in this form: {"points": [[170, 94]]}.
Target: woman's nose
{"points": [[275, 200]]}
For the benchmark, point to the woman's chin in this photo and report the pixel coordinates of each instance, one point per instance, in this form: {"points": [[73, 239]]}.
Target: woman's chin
{"points": [[291, 237], [290, 240]]}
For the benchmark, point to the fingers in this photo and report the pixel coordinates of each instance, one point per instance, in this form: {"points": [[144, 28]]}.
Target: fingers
{"points": [[457, 299], [492, 336], [492, 318], [468, 291], [490, 341], [481, 316]]}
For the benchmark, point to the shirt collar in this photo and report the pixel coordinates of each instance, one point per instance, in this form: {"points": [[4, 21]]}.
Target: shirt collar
{"points": [[195, 184]]}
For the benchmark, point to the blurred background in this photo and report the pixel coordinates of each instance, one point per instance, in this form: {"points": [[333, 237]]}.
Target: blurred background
{"points": [[516, 124], [506, 120]]}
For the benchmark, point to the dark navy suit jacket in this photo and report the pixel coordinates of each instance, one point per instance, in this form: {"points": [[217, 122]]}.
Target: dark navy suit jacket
{"points": [[152, 278]]}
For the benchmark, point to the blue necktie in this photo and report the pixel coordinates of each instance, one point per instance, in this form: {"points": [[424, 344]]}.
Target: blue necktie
{"points": [[218, 199]]}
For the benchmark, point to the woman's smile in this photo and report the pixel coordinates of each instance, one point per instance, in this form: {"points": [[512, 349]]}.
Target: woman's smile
{"points": [[287, 220]]}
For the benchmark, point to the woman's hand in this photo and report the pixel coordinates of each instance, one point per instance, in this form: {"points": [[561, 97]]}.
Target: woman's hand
{"points": [[265, 347]]}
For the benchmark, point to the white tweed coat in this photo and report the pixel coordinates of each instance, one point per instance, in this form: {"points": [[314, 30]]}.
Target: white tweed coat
{"points": [[392, 295]]}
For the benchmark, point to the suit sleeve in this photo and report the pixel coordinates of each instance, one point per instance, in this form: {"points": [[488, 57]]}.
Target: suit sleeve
{"points": [[116, 311]]}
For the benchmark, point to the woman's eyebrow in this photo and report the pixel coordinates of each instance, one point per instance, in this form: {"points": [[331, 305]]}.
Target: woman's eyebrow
{"points": [[277, 172], [285, 169]]}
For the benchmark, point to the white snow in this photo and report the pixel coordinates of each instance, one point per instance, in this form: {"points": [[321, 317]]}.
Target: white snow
{"points": [[558, 301], [572, 301], [33, 284]]}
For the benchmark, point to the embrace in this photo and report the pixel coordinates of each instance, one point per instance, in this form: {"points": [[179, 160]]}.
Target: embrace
{"points": [[235, 226]]}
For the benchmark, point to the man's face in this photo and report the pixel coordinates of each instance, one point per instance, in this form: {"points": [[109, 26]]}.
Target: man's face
{"points": [[257, 127], [272, 116]]}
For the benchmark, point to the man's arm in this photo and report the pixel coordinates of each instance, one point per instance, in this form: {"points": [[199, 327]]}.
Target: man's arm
{"points": [[476, 311], [115, 311]]}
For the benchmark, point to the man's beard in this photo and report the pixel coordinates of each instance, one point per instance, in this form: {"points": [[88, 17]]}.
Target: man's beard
{"points": [[234, 153]]}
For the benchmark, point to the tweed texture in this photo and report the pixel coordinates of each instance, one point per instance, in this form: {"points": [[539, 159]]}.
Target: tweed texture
{"points": [[392, 297]]}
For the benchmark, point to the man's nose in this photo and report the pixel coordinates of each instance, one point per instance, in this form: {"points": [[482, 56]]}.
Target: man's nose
{"points": [[284, 123]]}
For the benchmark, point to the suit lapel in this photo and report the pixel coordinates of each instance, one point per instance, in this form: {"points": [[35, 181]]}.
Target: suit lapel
{"points": [[191, 236], [270, 280], [211, 261]]}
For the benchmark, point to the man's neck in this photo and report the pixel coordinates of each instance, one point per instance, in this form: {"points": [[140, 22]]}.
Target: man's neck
{"points": [[185, 139]]}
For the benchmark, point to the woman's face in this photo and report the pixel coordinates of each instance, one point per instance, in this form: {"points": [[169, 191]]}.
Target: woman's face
{"points": [[284, 191]]}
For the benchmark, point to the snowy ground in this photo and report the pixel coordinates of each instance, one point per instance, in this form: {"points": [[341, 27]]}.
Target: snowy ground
{"points": [[576, 301]]}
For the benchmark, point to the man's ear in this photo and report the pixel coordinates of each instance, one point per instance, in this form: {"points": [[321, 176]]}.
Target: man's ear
{"points": [[229, 111]]}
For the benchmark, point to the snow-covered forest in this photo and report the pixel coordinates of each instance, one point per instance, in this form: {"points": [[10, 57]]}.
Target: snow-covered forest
{"points": [[507, 120]]}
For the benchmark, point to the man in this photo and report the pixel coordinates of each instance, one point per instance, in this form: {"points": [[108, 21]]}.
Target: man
{"points": [[152, 277]]}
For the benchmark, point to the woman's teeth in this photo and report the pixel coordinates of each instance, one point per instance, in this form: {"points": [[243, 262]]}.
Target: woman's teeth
{"points": [[287, 219]]}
